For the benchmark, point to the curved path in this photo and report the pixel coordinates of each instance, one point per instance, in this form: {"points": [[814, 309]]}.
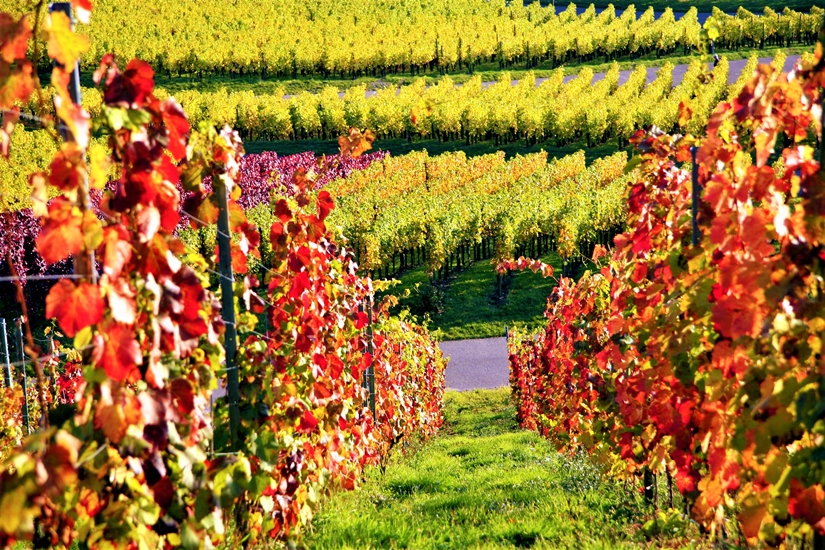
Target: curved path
{"points": [[476, 364]]}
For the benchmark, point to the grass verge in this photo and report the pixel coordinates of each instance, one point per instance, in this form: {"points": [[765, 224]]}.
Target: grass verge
{"points": [[482, 483]]}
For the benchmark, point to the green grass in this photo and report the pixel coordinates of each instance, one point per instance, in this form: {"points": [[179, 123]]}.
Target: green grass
{"points": [[482, 483], [471, 310], [470, 305]]}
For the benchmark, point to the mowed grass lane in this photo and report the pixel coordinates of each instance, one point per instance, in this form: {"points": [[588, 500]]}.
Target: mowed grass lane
{"points": [[482, 483]]}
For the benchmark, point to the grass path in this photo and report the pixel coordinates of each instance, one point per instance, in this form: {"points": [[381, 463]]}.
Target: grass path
{"points": [[482, 483], [470, 309]]}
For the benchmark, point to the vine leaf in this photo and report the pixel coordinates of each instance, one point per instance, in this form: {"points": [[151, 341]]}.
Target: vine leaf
{"points": [[118, 353], [64, 45], [75, 306]]}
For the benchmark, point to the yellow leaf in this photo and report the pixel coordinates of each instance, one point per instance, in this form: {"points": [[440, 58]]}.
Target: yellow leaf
{"points": [[98, 166], [65, 46], [40, 194]]}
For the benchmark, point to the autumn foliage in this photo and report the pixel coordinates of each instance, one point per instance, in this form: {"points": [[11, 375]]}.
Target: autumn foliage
{"points": [[704, 361], [131, 465]]}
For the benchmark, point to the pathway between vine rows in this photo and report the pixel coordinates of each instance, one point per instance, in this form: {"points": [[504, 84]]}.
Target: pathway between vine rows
{"points": [[476, 364], [735, 65]]}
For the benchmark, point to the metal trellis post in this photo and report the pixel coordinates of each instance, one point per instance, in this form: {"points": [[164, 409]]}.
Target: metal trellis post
{"points": [[369, 375], [84, 265], [228, 313], [21, 357], [694, 203], [7, 366], [74, 81]]}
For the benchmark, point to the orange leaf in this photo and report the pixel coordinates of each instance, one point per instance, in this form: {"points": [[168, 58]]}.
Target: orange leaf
{"points": [[685, 113], [60, 459], [117, 250], [806, 503], [74, 306], [10, 119], [75, 117], [112, 421], [40, 194], [121, 300], [598, 252], [61, 234], [15, 84], [68, 169], [355, 143], [14, 37], [751, 520], [83, 10], [119, 353]]}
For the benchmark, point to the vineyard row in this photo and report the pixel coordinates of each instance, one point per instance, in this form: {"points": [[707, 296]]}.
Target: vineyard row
{"points": [[575, 112], [347, 38]]}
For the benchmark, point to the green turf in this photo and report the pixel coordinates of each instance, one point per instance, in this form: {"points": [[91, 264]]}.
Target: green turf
{"points": [[471, 308], [482, 483]]}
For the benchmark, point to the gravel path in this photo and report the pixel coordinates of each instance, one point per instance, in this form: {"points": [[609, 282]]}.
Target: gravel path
{"points": [[476, 364]]}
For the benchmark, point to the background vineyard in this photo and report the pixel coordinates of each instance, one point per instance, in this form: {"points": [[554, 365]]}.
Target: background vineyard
{"points": [[348, 39], [553, 113]]}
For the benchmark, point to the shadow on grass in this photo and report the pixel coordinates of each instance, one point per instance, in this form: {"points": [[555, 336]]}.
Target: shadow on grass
{"points": [[482, 483]]}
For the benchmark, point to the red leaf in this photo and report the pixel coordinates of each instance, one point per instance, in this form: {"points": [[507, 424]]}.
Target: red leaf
{"points": [[183, 395], [325, 204], [119, 353], [130, 88], [282, 211], [308, 422], [177, 125], [67, 170], [806, 503], [74, 306], [300, 284], [164, 493]]}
